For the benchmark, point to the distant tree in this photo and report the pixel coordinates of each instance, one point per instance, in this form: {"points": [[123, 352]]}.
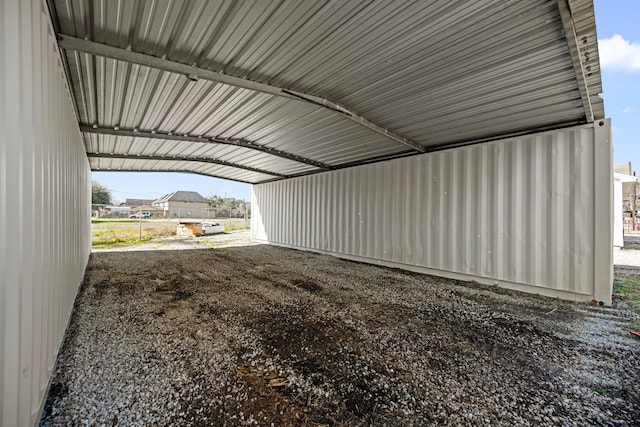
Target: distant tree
{"points": [[218, 202], [232, 203], [100, 195]]}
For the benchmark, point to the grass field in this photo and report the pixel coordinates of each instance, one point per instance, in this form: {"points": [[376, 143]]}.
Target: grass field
{"points": [[116, 232], [630, 288]]}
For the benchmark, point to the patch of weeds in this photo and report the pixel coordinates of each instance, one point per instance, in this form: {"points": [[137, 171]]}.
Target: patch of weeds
{"points": [[128, 236], [104, 238], [233, 226], [627, 287], [601, 391], [633, 325], [335, 300]]}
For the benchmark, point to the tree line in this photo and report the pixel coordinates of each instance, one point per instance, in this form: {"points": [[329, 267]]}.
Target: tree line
{"points": [[219, 202]]}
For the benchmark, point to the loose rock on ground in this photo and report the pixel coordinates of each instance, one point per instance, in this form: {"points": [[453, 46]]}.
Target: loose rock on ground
{"points": [[262, 335]]}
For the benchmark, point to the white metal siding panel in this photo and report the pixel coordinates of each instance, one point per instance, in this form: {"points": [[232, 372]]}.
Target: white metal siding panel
{"points": [[603, 212], [620, 180], [618, 215], [520, 212], [44, 208]]}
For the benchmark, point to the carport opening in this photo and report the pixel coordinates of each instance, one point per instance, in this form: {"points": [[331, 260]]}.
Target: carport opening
{"points": [[149, 210]]}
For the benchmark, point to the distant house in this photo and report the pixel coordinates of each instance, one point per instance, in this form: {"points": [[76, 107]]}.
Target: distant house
{"points": [[626, 202], [142, 205], [629, 189], [114, 211], [136, 203], [183, 204]]}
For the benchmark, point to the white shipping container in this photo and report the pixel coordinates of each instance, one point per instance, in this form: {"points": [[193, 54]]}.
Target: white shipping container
{"points": [[531, 213]]}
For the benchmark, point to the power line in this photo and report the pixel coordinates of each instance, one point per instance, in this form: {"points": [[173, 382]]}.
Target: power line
{"points": [[132, 194]]}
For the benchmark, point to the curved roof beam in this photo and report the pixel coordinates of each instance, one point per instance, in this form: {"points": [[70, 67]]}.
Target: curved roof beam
{"points": [[194, 73], [204, 139], [170, 170], [568, 24], [183, 158]]}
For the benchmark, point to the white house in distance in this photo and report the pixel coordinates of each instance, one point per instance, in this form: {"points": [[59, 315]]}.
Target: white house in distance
{"points": [[624, 183], [183, 204]]}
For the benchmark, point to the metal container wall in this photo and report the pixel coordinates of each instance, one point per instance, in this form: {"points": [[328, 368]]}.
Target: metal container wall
{"points": [[530, 213], [44, 208]]}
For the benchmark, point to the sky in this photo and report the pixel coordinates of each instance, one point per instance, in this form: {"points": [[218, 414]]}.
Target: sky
{"points": [[618, 26], [153, 185]]}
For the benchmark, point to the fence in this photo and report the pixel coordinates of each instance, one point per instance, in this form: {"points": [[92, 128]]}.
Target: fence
{"points": [[146, 211]]}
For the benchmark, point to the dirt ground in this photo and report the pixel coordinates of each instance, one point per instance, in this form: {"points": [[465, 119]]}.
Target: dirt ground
{"points": [[223, 240], [151, 223], [262, 335]]}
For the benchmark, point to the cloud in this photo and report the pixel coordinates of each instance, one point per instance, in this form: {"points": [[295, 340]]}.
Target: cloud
{"points": [[616, 53], [628, 110]]}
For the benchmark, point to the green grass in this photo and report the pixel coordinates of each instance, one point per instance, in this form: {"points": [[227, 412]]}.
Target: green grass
{"points": [[601, 391], [125, 231], [633, 325], [130, 236], [117, 237], [234, 226], [629, 288]]}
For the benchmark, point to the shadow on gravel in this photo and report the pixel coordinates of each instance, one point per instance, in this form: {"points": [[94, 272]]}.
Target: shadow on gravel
{"points": [[266, 335]]}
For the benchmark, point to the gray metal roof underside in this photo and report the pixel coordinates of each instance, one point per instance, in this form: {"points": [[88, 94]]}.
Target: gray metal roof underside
{"points": [[277, 89]]}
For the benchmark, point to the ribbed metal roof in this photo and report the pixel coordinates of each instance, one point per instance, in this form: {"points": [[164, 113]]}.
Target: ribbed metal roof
{"points": [[318, 85]]}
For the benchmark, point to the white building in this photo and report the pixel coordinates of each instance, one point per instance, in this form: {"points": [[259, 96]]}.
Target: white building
{"points": [[620, 183], [183, 204]]}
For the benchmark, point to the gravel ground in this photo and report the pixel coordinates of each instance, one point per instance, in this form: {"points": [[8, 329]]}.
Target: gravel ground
{"points": [[262, 335]]}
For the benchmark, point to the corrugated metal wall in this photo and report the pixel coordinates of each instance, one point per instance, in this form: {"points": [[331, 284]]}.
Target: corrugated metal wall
{"points": [[44, 208], [519, 212]]}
